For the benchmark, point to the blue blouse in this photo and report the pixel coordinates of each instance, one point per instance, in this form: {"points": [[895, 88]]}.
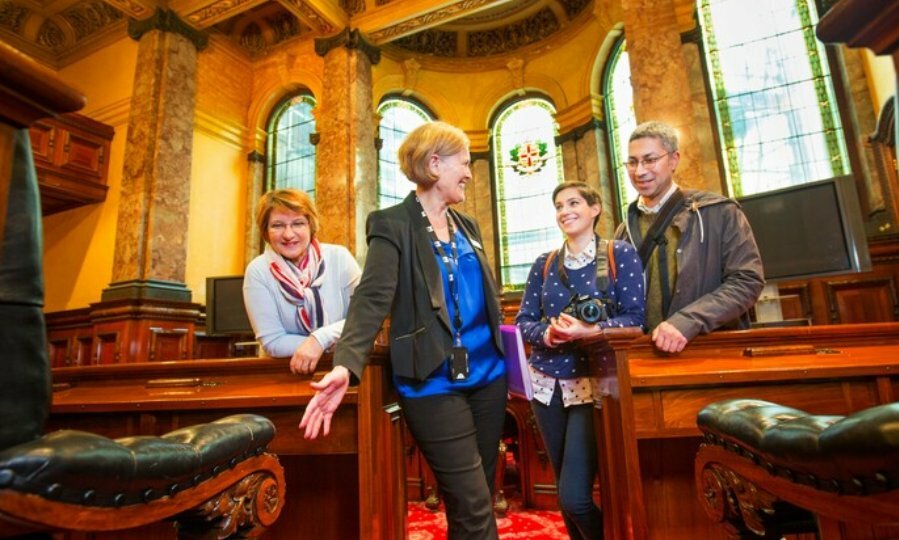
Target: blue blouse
{"points": [[485, 362], [543, 300]]}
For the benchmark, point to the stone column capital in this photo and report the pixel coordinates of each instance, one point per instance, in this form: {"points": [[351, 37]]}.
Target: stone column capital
{"points": [[167, 21], [350, 39]]}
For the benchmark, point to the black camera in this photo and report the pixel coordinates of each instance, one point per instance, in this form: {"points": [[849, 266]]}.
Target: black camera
{"points": [[586, 308]]}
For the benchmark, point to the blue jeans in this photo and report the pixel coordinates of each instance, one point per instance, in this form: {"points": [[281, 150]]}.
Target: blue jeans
{"points": [[571, 444]]}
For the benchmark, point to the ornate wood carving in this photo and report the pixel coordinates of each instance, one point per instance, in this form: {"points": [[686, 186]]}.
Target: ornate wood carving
{"points": [[732, 500], [245, 509]]}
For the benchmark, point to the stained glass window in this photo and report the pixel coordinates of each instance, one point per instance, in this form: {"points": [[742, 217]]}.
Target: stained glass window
{"points": [[528, 166], [291, 162], [398, 118], [773, 96], [621, 119]]}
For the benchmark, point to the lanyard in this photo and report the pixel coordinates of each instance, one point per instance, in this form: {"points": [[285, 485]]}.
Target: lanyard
{"points": [[450, 262]]}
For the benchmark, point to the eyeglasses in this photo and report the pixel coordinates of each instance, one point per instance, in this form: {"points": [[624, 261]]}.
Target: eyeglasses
{"points": [[648, 162], [280, 228]]}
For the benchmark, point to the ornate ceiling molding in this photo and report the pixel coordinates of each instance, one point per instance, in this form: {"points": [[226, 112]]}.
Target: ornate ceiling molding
{"points": [[54, 38], [513, 36], [134, 8], [351, 39], [215, 12], [167, 21], [444, 34], [427, 20], [309, 15]]}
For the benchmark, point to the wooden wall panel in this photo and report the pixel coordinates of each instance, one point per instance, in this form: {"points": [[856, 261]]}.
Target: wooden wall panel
{"points": [[864, 300]]}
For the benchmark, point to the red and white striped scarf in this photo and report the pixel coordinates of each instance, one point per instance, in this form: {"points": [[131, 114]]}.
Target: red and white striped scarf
{"points": [[300, 284]]}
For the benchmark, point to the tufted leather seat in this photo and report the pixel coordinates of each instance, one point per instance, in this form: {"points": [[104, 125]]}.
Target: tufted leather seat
{"points": [[791, 455], [82, 468], [215, 480]]}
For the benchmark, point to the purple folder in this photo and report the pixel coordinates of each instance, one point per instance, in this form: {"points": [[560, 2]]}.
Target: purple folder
{"points": [[518, 375]]}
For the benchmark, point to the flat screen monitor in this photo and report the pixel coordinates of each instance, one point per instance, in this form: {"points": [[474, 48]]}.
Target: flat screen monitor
{"points": [[808, 230], [225, 311]]}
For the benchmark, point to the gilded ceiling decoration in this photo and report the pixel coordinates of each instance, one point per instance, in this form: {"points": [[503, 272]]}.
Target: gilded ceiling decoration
{"points": [[60, 31], [12, 16], [430, 42], [426, 20], [88, 17], [513, 36]]}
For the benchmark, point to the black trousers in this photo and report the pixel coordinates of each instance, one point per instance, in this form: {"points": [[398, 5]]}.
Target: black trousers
{"points": [[458, 434]]}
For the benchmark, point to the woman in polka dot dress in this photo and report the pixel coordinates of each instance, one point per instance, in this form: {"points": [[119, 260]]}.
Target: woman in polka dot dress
{"points": [[562, 394]]}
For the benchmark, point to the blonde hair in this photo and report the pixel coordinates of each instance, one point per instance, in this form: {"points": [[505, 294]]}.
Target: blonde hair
{"points": [[290, 199], [433, 138]]}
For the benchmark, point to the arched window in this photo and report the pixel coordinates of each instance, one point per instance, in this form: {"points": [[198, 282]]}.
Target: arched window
{"points": [[777, 117], [528, 166], [399, 116], [291, 154], [621, 119]]}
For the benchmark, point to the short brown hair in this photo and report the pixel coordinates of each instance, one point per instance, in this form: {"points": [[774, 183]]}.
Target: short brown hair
{"points": [[588, 192], [290, 199], [425, 141]]}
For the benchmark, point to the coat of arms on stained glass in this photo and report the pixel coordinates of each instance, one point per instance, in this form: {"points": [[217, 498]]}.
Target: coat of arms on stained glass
{"points": [[529, 157]]}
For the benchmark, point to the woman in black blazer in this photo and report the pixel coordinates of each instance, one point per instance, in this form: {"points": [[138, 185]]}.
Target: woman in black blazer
{"points": [[427, 269]]}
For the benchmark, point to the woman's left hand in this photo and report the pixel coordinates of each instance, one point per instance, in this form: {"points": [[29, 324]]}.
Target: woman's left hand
{"points": [[306, 357], [566, 328]]}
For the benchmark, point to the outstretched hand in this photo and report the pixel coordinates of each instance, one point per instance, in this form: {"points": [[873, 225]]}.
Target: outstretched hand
{"points": [[330, 391]]}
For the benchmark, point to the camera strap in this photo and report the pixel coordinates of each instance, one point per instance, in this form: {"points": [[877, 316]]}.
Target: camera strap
{"points": [[656, 233], [655, 237]]}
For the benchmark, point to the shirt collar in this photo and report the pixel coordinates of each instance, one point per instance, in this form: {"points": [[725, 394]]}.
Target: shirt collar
{"points": [[573, 261], [655, 209]]}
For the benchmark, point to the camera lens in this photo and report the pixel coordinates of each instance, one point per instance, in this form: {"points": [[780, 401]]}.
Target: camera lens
{"points": [[590, 312]]}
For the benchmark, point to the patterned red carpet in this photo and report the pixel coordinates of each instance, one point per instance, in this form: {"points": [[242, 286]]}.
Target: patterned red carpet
{"points": [[518, 523]]}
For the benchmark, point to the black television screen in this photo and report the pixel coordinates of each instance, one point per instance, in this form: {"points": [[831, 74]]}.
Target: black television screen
{"points": [[225, 311], [809, 230]]}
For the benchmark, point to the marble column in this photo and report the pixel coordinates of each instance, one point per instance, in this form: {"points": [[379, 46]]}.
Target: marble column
{"points": [[255, 186], [479, 200], [660, 79], [151, 237], [346, 175]]}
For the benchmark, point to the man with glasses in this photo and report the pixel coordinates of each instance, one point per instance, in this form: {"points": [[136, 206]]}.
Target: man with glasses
{"points": [[701, 263]]}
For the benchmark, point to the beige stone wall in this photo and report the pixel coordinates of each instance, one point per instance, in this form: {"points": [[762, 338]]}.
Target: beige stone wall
{"points": [[79, 243]]}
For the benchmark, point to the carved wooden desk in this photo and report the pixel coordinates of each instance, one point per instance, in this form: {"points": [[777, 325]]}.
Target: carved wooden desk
{"points": [[357, 467], [647, 434]]}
